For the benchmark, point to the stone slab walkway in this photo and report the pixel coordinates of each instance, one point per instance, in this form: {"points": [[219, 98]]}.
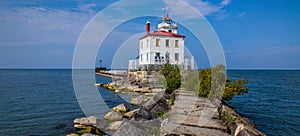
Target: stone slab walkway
{"points": [[193, 115]]}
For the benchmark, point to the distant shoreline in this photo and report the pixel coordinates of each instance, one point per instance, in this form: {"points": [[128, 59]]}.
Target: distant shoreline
{"points": [[104, 74]]}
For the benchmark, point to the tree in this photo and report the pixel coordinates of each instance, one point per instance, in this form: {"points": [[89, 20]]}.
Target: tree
{"points": [[172, 76], [213, 83], [191, 80], [235, 88]]}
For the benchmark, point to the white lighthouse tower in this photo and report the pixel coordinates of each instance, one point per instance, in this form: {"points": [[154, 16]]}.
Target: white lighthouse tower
{"points": [[161, 46]]}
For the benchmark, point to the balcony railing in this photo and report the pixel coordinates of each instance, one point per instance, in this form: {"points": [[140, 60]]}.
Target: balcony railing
{"points": [[159, 59]]}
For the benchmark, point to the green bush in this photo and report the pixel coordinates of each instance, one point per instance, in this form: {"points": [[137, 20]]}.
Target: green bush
{"points": [[227, 118], [172, 77], [213, 83], [235, 88], [191, 80]]}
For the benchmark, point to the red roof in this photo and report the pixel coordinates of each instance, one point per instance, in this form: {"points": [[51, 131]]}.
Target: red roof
{"points": [[163, 33]]}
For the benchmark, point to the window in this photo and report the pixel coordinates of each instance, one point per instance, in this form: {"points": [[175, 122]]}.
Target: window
{"points": [[147, 43], [141, 57], [167, 43], [176, 43], [157, 54], [176, 56], [167, 57], [147, 56], [157, 42], [141, 45], [157, 57]]}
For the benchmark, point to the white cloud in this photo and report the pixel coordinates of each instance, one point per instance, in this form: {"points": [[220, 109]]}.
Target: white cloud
{"points": [[225, 2], [41, 25], [206, 8], [242, 14]]}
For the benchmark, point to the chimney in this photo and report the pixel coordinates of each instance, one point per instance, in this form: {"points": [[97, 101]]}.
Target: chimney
{"points": [[147, 28]]}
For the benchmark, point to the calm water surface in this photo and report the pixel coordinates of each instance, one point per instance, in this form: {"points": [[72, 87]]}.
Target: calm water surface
{"points": [[42, 102]]}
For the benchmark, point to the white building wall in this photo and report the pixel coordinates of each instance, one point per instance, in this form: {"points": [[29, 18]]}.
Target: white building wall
{"points": [[152, 49], [133, 64]]}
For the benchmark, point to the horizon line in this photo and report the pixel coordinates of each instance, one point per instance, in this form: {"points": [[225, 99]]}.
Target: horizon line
{"points": [[65, 68]]}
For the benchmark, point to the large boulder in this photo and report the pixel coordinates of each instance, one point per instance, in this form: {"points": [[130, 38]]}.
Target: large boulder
{"points": [[240, 126], [117, 91], [121, 108], [138, 90], [138, 100], [113, 126], [143, 114], [73, 134], [89, 134], [91, 125], [81, 123], [146, 90], [158, 103], [130, 114], [129, 129], [139, 128], [113, 116]]}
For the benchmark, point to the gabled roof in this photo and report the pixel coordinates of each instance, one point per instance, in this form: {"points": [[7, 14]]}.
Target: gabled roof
{"points": [[163, 33]]}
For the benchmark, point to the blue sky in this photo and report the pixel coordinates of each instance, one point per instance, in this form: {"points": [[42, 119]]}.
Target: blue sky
{"points": [[256, 34]]}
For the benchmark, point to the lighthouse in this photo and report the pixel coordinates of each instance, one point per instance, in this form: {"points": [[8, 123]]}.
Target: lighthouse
{"points": [[162, 46]]}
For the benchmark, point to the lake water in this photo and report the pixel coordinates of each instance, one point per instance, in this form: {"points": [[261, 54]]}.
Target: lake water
{"points": [[42, 102]]}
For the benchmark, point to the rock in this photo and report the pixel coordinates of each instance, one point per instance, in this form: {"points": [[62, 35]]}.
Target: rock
{"points": [[139, 128], [130, 114], [146, 90], [150, 94], [138, 100], [138, 90], [109, 87], [223, 108], [122, 88], [121, 108], [117, 91], [244, 133], [246, 130], [158, 103], [142, 114], [73, 134], [128, 129], [88, 134], [97, 85], [89, 129], [183, 130], [113, 126], [157, 90], [132, 87], [82, 123], [113, 116], [241, 126]]}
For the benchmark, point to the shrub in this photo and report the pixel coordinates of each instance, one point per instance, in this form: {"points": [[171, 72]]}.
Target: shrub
{"points": [[227, 118], [172, 76], [191, 80], [213, 83]]}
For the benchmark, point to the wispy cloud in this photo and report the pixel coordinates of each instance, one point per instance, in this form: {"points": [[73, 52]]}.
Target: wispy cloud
{"points": [[42, 24], [206, 8], [225, 2], [242, 14]]}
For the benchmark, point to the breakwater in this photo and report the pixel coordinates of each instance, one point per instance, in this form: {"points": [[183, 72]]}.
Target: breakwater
{"points": [[188, 114]]}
